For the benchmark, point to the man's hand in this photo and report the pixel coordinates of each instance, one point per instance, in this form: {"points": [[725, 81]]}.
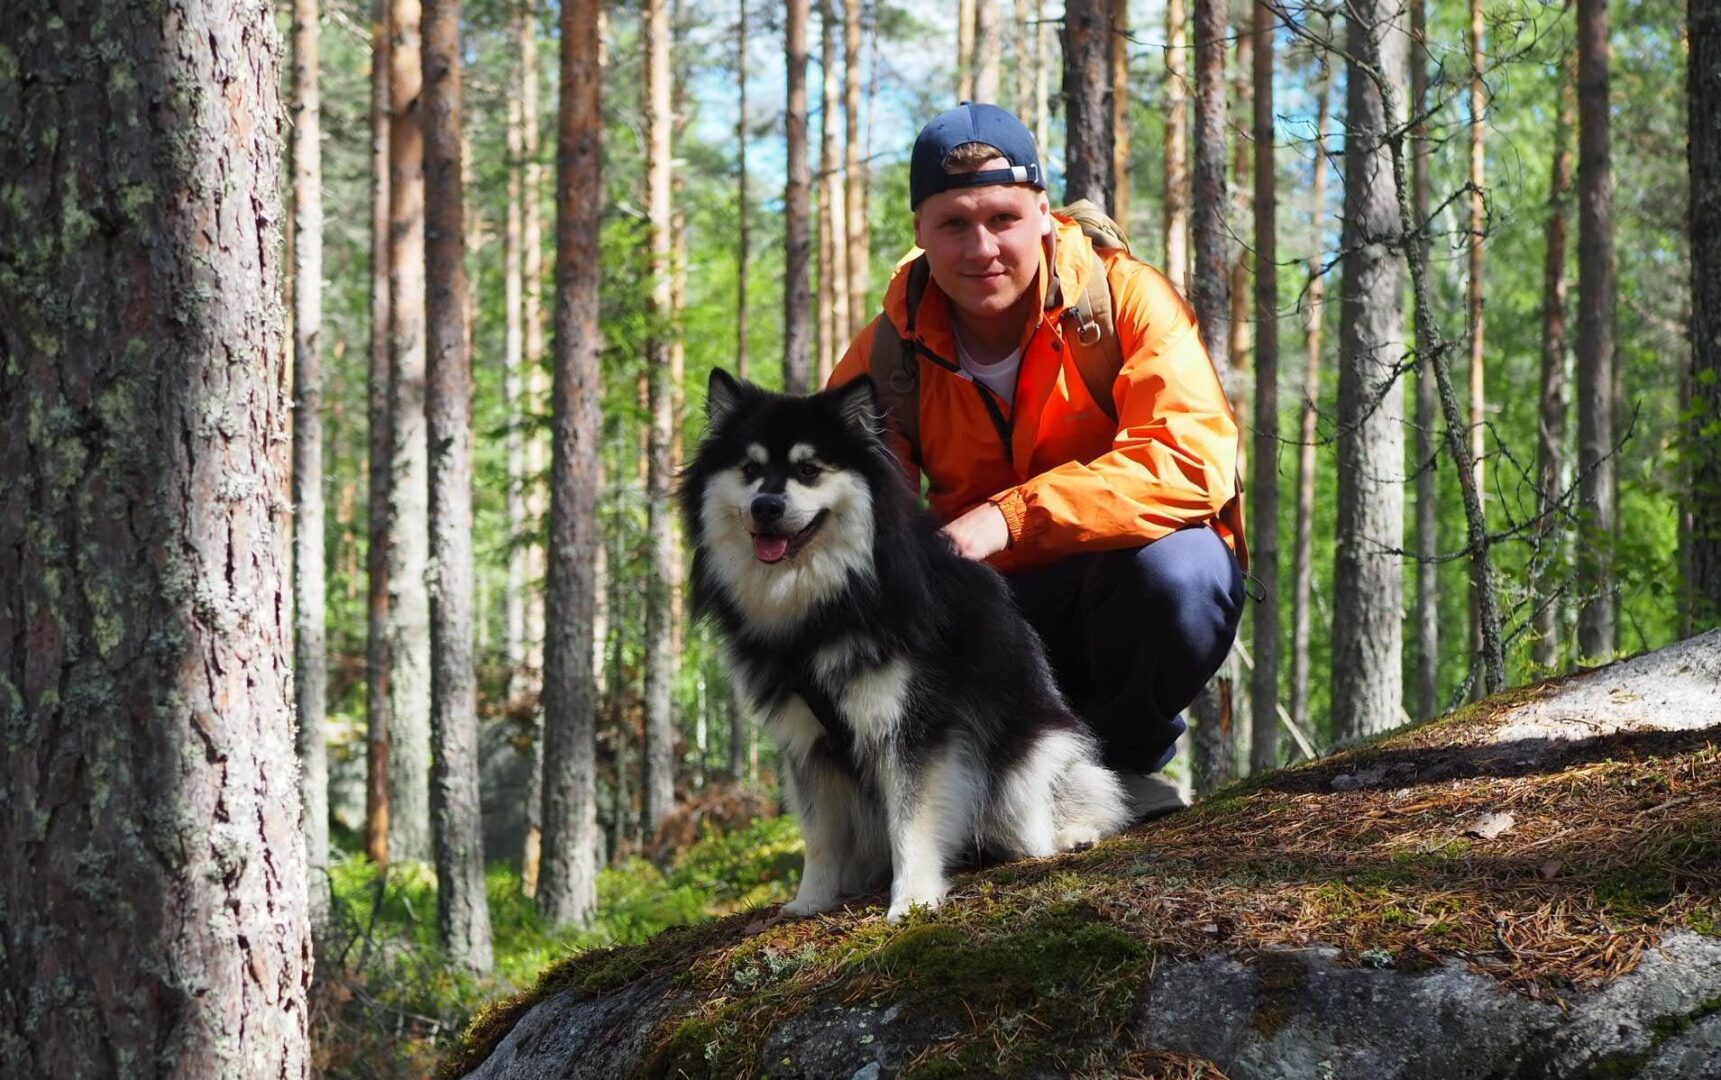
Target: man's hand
{"points": [[980, 532]]}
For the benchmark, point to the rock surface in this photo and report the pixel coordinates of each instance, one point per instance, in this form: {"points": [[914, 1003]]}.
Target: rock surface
{"points": [[1273, 993]]}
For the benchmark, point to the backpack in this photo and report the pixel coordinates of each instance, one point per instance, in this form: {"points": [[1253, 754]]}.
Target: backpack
{"points": [[895, 360]]}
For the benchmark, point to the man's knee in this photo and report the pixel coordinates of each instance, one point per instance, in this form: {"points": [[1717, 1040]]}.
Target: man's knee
{"points": [[1187, 582]]}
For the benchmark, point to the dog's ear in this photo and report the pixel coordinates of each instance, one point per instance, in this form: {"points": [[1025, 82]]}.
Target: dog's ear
{"points": [[723, 395], [857, 403]]}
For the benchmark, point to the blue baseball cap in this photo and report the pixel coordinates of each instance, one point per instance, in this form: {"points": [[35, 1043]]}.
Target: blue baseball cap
{"points": [[972, 123]]}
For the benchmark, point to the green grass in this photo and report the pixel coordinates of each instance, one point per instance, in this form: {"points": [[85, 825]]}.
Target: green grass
{"points": [[380, 970]]}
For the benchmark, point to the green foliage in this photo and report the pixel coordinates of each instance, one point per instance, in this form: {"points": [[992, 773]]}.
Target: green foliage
{"points": [[379, 969]]}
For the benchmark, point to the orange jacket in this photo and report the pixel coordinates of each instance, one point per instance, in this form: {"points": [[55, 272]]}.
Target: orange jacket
{"points": [[1072, 479]]}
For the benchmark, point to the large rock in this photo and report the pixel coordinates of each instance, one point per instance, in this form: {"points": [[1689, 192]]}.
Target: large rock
{"points": [[1531, 888]]}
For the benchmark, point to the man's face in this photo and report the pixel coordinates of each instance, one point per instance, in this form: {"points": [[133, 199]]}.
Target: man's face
{"points": [[982, 244]]}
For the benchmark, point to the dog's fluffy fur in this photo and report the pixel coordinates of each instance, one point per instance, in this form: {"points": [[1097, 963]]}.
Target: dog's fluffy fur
{"points": [[913, 707]]}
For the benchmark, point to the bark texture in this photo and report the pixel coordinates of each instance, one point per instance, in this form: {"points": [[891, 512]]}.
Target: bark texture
{"points": [[1117, 61], [1302, 572], [1475, 297], [567, 887], [409, 486], [1704, 74], [833, 192], [310, 650], [1087, 103], [986, 50], [743, 208], [377, 683], [1214, 737], [1264, 512], [660, 656], [462, 912], [1427, 700], [1553, 450], [1596, 493], [797, 210], [1176, 144], [1368, 579], [859, 241], [153, 881]]}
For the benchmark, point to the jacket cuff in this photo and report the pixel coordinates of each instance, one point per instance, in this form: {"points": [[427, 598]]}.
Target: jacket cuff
{"points": [[1015, 510]]}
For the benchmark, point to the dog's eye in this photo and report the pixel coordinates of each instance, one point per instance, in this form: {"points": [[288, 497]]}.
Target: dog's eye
{"points": [[751, 470], [807, 472]]}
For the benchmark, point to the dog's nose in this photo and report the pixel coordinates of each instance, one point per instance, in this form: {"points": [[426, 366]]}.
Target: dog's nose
{"points": [[768, 509]]}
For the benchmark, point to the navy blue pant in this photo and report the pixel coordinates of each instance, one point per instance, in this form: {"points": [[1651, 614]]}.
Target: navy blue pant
{"points": [[1134, 634]]}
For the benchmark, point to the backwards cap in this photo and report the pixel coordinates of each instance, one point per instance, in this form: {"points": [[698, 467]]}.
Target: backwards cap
{"points": [[971, 123]]}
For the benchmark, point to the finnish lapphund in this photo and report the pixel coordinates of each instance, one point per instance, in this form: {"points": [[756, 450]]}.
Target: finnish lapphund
{"points": [[913, 707]]}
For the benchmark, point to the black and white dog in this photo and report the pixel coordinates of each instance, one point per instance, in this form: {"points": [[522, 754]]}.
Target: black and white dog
{"points": [[912, 705]]}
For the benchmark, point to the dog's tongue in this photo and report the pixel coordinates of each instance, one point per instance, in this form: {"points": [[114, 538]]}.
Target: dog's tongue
{"points": [[770, 548]]}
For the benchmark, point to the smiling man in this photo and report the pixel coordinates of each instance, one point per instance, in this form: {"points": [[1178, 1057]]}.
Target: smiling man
{"points": [[1072, 432]]}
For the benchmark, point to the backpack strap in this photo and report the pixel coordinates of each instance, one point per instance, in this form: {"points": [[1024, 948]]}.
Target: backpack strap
{"points": [[1098, 355], [895, 363]]}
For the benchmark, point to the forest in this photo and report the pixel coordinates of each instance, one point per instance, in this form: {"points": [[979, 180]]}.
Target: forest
{"points": [[350, 354]]}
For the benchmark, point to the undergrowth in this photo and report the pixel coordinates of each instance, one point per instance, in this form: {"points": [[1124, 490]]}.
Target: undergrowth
{"points": [[387, 1003]]}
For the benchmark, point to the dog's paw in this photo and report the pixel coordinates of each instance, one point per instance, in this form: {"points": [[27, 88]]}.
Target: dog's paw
{"points": [[1078, 838], [931, 897], [899, 910], [801, 907]]}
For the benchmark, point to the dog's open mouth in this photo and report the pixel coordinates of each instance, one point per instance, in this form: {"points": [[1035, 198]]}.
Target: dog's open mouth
{"points": [[775, 547]]}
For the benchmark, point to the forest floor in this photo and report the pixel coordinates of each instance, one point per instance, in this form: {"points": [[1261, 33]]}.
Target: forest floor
{"points": [[1546, 838]]}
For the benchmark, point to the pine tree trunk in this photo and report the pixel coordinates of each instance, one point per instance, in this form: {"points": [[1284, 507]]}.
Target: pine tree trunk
{"points": [[859, 242], [462, 912], [409, 528], [1023, 33], [986, 50], [1704, 102], [833, 215], [797, 353], [537, 370], [1368, 582], [743, 248], [1474, 299], [1264, 689], [965, 50], [1427, 400], [1596, 493], [155, 919], [567, 886], [311, 675], [1118, 62], [1176, 145], [1214, 738], [1553, 455], [536, 446], [378, 691], [1302, 574], [1042, 77], [660, 660], [513, 365], [1087, 102]]}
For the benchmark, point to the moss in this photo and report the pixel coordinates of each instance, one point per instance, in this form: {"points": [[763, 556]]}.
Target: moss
{"points": [[1283, 979], [1705, 920]]}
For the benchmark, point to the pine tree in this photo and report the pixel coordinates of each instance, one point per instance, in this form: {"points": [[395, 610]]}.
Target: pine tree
{"points": [[567, 886], [155, 908], [462, 910], [1368, 580]]}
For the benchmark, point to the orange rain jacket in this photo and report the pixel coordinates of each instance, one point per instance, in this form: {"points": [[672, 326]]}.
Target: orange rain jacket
{"points": [[1071, 479]]}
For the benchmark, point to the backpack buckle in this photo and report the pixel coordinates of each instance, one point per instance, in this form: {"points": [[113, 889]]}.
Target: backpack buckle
{"points": [[1087, 329]]}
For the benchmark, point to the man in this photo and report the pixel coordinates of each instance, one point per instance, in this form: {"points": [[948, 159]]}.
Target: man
{"points": [[1118, 524]]}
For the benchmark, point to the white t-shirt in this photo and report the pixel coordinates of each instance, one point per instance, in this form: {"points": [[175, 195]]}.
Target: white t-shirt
{"points": [[1000, 375]]}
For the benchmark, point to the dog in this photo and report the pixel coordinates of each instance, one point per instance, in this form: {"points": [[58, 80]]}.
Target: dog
{"points": [[912, 705]]}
